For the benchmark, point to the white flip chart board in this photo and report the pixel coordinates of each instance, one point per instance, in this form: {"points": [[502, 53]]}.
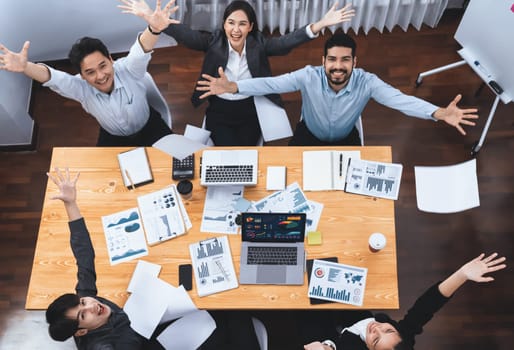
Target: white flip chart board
{"points": [[486, 33]]}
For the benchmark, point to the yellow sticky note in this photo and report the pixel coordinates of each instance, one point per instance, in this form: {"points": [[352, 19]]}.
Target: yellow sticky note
{"points": [[313, 238]]}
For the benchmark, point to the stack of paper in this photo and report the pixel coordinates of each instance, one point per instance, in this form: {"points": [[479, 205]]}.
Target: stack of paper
{"points": [[164, 215]]}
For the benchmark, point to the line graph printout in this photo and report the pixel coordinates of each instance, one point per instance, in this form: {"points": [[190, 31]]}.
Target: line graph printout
{"points": [[373, 178], [338, 282]]}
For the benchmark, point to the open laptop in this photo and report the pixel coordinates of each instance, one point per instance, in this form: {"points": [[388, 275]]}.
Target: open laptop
{"points": [[229, 167], [272, 251]]}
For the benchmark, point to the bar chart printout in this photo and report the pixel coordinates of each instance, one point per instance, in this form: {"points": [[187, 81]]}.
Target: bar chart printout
{"points": [[373, 178], [338, 282], [213, 266]]}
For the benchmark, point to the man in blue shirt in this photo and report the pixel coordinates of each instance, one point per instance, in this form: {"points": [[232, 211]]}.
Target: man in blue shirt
{"points": [[334, 95], [113, 92]]}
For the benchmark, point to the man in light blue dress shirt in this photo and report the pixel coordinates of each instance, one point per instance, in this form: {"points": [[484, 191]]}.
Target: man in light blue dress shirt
{"points": [[334, 95], [113, 92]]}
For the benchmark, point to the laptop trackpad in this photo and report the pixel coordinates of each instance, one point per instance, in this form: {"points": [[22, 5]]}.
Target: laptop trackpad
{"points": [[271, 274]]}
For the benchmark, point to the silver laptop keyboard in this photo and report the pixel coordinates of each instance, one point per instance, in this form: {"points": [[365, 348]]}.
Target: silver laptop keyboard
{"points": [[272, 255], [228, 173]]}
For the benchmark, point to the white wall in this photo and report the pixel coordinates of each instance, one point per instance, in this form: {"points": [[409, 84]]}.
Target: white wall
{"points": [[52, 26]]}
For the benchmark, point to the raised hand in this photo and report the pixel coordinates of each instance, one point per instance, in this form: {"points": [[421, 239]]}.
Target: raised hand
{"points": [[216, 86], [333, 17], [158, 19], [481, 265], [455, 116], [66, 185], [12, 61]]}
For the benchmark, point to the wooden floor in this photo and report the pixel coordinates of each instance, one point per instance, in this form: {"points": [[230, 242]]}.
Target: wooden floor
{"points": [[430, 246]]}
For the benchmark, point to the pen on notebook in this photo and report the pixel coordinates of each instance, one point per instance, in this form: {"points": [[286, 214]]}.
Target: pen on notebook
{"points": [[340, 165], [130, 179], [222, 270]]}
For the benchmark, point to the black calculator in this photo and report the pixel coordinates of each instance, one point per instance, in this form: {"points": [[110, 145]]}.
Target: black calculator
{"points": [[183, 169]]}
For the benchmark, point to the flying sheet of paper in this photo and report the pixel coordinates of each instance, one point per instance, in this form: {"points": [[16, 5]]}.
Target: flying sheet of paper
{"points": [[146, 307], [272, 119], [447, 189], [197, 134], [143, 269], [189, 332], [179, 305], [178, 146]]}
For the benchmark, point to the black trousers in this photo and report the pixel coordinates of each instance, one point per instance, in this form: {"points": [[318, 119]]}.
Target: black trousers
{"points": [[303, 137], [154, 129], [232, 123]]}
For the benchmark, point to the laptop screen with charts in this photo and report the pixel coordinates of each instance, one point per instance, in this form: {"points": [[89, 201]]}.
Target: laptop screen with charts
{"points": [[272, 250], [229, 167]]}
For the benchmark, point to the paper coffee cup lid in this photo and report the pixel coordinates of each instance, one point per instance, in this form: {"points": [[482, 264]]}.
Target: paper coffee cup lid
{"points": [[377, 240]]}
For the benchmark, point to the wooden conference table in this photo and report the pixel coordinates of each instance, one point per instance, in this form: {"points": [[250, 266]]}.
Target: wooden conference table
{"points": [[347, 221]]}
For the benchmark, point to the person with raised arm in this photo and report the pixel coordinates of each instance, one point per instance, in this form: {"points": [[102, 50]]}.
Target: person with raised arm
{"points": [[334, 96], [113, 92], [99, 324], [363, 330], [242, 50]]}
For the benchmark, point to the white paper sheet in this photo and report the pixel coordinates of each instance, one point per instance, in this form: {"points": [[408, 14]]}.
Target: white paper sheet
{"points": [[189, 332], [197, 134], [143, 268], [447, 189], [180, 305], [146, 308], [178, 146], [219, 211], [338, 282], [124, 236], [273, 119]]}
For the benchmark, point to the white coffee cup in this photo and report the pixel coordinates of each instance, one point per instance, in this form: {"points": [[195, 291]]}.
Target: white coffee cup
{"points": [[377, 241]]}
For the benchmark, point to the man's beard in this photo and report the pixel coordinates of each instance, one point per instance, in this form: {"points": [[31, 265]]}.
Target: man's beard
{"points": [[345, 79]]}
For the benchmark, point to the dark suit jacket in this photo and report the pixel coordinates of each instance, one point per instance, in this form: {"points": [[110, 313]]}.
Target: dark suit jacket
{"points": [[215, 46], [411, 325]]}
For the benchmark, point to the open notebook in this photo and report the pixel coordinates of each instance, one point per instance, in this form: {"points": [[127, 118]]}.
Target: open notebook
{"points": [[326, 170]]}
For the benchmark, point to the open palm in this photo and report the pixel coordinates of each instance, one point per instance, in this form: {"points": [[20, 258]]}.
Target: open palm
{"points": [[159, 19], [12, 61]]}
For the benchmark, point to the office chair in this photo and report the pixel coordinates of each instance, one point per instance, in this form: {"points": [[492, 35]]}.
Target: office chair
{"points": [[358, 126], [261, 333], [156, 100], [260, 141]]}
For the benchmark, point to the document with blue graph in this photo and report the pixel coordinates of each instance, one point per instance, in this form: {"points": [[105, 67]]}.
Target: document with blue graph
{"points": [[213, 266], [373, 179], [338, 282]]}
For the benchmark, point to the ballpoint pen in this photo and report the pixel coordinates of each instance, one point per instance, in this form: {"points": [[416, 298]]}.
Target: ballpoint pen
{"points": [[130, 179]]}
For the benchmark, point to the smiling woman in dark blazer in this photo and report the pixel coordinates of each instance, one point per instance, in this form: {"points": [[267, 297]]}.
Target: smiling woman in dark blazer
{"points": [[362, 330], [243, 53]]}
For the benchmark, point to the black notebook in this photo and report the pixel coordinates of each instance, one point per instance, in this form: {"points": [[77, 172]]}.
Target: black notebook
{"points": [[310, 262]]}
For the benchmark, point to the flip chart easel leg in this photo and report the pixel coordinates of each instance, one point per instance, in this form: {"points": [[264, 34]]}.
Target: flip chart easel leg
{"points": [[479, 144], [419, 80]]}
